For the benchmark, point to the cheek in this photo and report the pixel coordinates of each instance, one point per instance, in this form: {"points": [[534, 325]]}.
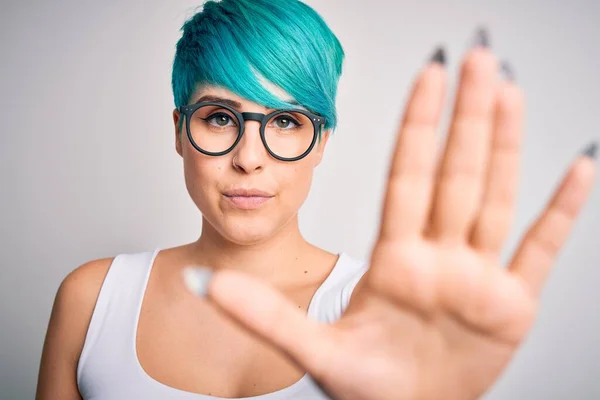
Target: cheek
{"points": [[201, 177], [295, 184]]}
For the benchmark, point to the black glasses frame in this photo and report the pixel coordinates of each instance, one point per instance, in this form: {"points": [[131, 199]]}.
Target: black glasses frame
{"points": [[242, 117]]}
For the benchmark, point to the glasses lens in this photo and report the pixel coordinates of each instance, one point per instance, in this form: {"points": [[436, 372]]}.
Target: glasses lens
{"points": [[289, 134], [214, 128]]}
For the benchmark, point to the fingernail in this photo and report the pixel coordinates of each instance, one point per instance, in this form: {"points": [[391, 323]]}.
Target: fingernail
{"points": [[196, 279], [507, 71], [439, 56], [591, 150], [481, 38]]}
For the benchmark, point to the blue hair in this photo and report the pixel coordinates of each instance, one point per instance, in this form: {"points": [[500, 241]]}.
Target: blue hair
{"points": [[231, 43]]}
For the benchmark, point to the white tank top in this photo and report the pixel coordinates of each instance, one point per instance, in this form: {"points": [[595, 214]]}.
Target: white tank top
{"points": [[108, 367]]}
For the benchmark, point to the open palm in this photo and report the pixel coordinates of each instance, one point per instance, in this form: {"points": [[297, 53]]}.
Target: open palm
{"points": [[436, 315]]}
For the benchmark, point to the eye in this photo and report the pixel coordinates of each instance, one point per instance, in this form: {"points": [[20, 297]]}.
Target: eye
{"points": [[219, 119], [286, 122]]}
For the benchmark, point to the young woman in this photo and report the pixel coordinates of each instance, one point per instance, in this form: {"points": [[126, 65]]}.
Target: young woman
{"points": [[431, 315]]}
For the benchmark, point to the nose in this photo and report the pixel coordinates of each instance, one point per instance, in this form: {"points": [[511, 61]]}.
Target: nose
{"points": [[250, 153]]}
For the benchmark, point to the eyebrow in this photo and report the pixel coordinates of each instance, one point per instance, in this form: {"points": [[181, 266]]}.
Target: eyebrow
{"points": [[231, 103]]}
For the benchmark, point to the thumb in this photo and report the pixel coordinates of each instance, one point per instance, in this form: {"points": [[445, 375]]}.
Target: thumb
{"points": [[264, 311]]}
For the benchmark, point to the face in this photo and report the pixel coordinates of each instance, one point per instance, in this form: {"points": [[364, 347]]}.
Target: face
{"points": [[217, 185]]}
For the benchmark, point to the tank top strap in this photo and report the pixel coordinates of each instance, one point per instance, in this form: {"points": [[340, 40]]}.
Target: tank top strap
{"points": [[333, 296], [110, 339]]}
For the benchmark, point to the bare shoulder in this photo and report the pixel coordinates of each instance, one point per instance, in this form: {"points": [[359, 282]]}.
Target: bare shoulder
{"points": [[69, 320], [82, 285], [75, 300], [77, 295]]}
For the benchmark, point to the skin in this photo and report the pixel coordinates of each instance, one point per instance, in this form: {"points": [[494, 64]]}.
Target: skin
{"points": [[434, 317]]}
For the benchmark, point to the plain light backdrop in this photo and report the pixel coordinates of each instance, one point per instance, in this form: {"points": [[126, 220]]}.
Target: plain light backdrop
{"points": [[88, 166]]}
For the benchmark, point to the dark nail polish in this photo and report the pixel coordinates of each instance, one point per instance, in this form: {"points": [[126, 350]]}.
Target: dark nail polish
{"points": [[507, 71], [482, 38], [591, 150], [439, 56]]}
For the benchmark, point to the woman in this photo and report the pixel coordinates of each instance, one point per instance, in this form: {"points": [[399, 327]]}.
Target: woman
{"points": [[431, 315]]}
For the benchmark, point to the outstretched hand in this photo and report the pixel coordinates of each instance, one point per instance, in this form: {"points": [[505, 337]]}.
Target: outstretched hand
{"points": [[436, 315]]}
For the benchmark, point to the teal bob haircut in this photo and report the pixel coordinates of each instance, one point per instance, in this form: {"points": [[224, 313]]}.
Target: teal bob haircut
{"points": [[236, 43]]}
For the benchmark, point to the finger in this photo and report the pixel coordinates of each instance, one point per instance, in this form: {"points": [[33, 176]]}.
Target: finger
{"points": [[460, 178], [542, 242], [267, 313], [497, 210], [409, 186]]}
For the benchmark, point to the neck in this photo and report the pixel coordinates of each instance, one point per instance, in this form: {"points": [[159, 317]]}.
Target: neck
{"points": [[277, 259]]}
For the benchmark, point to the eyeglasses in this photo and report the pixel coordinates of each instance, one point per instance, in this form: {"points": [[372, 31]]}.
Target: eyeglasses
{"points": [[215, 129]]}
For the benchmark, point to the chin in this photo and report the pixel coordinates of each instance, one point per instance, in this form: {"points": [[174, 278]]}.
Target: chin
{"points": [[246, 224], [248, 229]]}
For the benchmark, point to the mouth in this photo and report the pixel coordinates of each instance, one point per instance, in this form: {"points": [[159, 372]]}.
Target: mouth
{"points": [[247, 199]]}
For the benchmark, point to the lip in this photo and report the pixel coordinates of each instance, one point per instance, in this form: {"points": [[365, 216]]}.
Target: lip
{"points": [[247, 199], [242, 192]]}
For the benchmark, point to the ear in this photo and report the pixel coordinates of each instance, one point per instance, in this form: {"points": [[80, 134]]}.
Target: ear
{"points": [[320, 146], [176, 120]]}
